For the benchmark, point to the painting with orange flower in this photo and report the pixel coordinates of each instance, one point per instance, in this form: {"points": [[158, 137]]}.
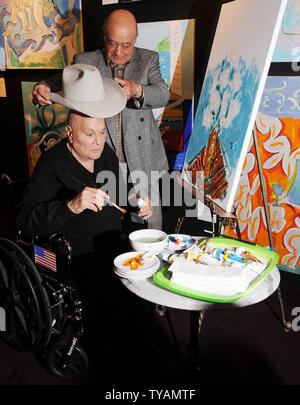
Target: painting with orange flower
{"points": [[44, 126], [278, 130]]}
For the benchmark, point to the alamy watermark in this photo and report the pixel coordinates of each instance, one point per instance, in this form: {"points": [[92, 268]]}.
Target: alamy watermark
{"points": [[296, 59], [149, 186], [296, 320]]}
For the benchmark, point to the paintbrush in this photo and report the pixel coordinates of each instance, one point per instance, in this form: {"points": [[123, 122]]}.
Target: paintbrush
{"points": [[116, 206], [108, 201]]}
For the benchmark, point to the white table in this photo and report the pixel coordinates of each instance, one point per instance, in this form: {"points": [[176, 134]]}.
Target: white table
{"points": [[150, 291]]}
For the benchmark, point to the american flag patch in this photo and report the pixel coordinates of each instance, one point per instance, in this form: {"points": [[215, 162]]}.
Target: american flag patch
{"points": [[45, 257]]}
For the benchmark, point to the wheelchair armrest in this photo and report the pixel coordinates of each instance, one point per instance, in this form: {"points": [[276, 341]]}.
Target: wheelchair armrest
{"points": [[57, 241]]}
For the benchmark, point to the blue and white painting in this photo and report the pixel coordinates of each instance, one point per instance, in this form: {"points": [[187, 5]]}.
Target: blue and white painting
{"points": [[223, 114], [230, 97]]}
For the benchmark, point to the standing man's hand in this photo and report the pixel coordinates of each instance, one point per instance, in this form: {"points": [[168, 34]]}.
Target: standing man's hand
{"points": [[40, 95], [130, 88]]}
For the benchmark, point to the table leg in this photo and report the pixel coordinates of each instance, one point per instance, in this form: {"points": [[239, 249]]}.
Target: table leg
{"points": [[197, 318], [163, 311], [287, 325]]}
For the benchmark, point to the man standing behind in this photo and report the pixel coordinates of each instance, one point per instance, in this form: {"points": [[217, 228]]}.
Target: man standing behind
{"points": [[133, 134]]}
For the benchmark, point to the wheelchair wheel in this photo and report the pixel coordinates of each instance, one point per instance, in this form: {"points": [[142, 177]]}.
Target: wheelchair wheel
{"points": [[77, 366], [25, 300]]}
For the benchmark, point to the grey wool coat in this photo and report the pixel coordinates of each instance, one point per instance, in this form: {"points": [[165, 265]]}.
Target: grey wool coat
{"points": [[143, 144]]}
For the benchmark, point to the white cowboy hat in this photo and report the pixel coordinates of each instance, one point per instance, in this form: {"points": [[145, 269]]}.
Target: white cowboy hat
{"points": [[85, 91]]}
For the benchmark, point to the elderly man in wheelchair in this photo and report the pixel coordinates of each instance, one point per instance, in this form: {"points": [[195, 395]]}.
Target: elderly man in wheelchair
{"points": [[67, 226]]}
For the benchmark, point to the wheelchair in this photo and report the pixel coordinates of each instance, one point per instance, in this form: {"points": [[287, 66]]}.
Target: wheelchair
{"points": [[40, 308]]}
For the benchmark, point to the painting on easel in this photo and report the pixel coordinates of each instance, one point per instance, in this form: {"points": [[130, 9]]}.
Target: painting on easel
{"points": [[233, 85], [278, 133]]}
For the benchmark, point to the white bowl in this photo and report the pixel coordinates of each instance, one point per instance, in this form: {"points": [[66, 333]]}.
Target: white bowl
{"points": [[152, 240]]}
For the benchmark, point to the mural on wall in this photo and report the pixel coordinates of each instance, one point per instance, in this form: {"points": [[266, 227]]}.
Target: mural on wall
{"points": [[174, 41], [44, 126], [40, 33], [230, 97], [288, 43], [278, 130]]}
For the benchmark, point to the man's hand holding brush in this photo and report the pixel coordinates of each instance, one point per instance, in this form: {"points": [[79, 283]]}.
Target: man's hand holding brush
{"points": [[92, 199]]}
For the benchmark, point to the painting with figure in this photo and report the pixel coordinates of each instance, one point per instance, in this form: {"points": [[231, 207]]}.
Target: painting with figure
{"points": [[44, 127], [278, 132], [288, 43], [41, 33], [174, 41], [237, 69]]}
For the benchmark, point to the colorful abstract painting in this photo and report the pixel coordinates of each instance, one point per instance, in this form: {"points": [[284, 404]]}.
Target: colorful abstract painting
{"points": [[278, 129], [288, 43], [44, 126], [174, 41], [41, 33], [237, 69]]}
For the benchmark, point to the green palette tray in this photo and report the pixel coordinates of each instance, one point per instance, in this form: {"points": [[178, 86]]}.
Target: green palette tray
{"points": [[162, 276]]}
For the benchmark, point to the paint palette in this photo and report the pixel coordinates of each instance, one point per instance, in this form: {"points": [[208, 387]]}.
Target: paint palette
{"points": [[178, 241]]}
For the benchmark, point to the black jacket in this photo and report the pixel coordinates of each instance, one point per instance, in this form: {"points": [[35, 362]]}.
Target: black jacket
{"points": [[43, 209]]}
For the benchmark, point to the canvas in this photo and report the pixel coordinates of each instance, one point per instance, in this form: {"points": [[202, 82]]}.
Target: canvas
{"points": [[237, 69], [41, 34], [174, 41], [278, 130], [44, 127]]}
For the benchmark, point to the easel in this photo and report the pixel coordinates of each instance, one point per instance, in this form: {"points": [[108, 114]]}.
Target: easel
{"points": [[224, 219], [287, 325]]}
